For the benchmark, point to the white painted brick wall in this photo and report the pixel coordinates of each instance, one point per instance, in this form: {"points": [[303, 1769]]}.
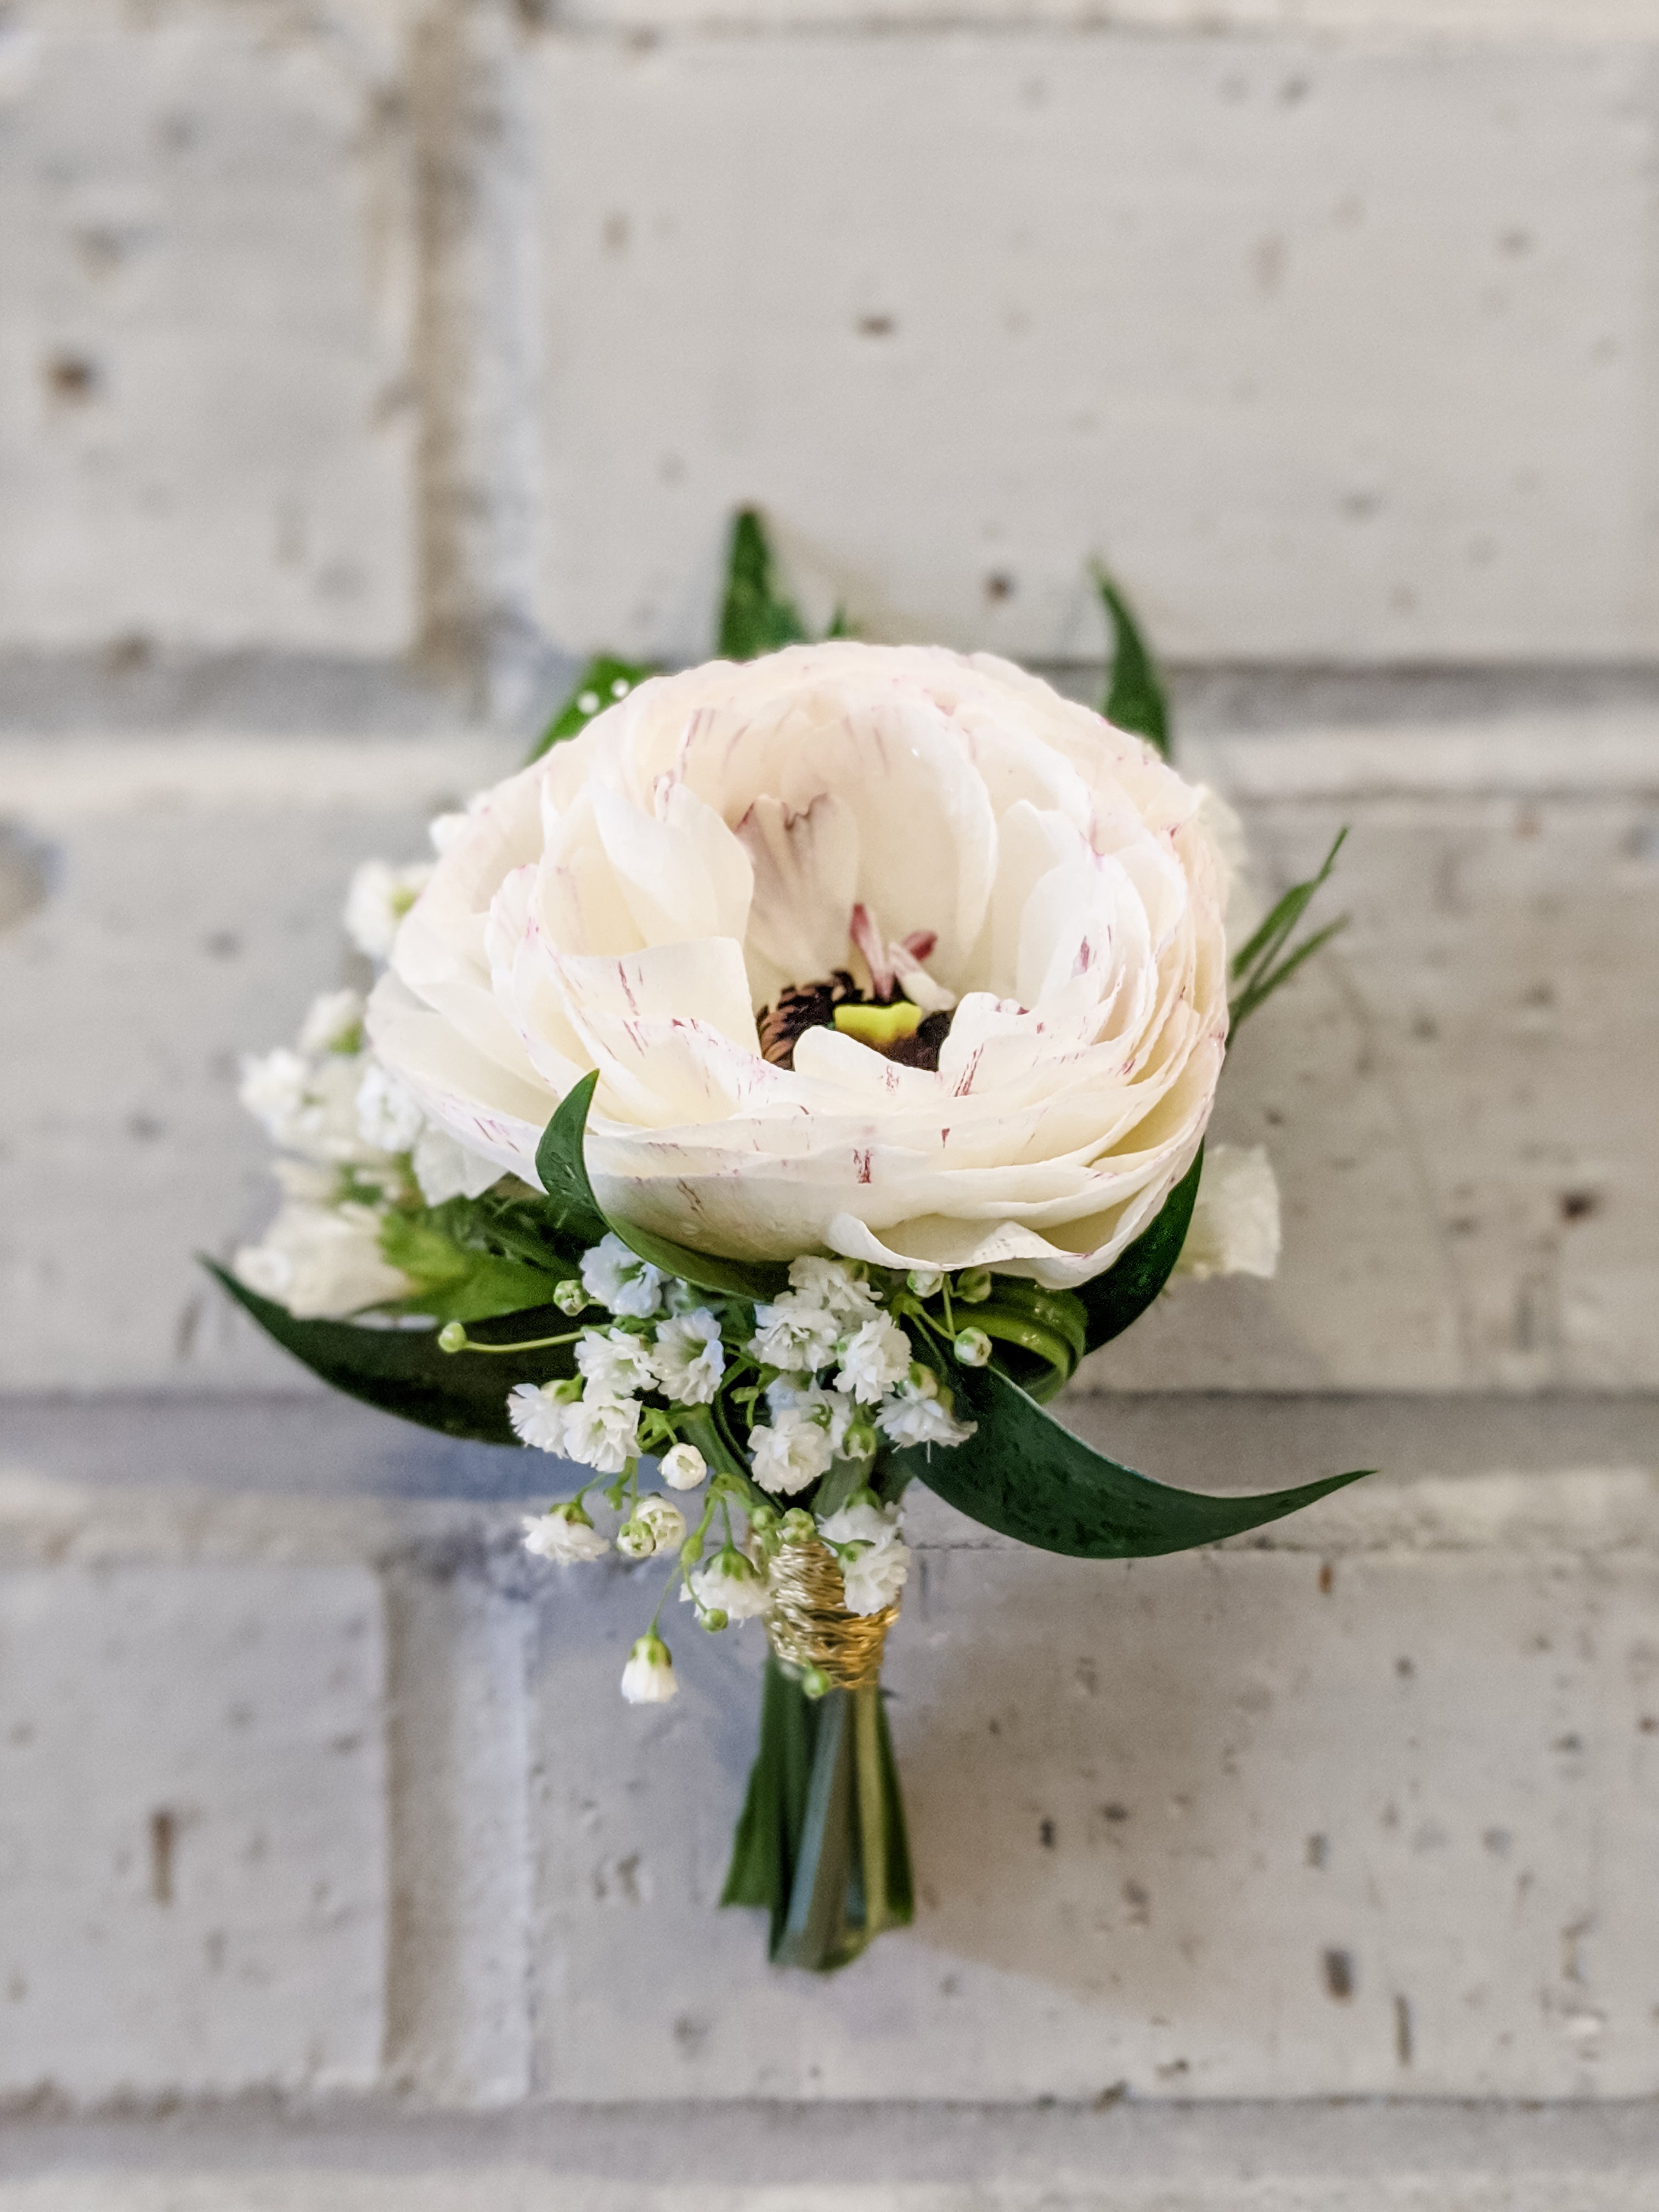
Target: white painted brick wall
{"points": [[207, 273], [330, 330], [192, 1837], [1337, 350]]}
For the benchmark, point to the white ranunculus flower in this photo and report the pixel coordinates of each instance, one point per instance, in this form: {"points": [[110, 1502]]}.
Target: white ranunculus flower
{"points": [[1234, 1227], [445, 1169], [821, 825]]}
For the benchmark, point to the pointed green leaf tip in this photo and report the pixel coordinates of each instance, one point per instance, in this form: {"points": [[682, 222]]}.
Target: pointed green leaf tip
{"points": [[1257, 969], [1135, 698], [1025, 1476], [560, 1163], [755, 616], [603, 680]]}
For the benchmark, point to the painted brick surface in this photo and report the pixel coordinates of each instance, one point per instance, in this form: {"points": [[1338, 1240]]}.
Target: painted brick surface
{"points": [[1336, 349], [1260, 1823], [192, 1837], [206, 267]]}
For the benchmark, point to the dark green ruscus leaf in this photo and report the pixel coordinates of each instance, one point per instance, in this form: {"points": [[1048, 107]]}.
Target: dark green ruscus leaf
{"points": [[561, 1163], [402, 1371], [1024, 1475]]}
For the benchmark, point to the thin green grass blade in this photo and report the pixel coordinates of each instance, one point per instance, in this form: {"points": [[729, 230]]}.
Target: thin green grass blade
{"points": [[1136, 696]]}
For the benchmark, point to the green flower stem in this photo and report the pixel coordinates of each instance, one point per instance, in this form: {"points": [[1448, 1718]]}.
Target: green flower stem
{"points": [[820, 1845]]}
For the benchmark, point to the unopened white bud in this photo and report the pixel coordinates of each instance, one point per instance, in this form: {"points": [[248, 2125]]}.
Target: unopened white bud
{"points": [[570, 1298], [636, 1539], [973, 1347], [926, 1281], [648, 1677], [684, 1466]]}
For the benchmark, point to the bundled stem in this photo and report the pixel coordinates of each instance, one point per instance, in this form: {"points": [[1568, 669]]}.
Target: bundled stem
{"points": [[821, 1845]]}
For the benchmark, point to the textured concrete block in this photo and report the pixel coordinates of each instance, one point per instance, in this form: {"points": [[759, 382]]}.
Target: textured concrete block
{"points": [[192, 1830], [206, 266], [1333, 347], [458, 1997], [1368, 1820], [195, 914]]}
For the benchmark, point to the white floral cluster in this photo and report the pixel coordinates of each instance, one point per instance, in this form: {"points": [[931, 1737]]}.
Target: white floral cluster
{"points": [[351, 1136], [835, 1374]]}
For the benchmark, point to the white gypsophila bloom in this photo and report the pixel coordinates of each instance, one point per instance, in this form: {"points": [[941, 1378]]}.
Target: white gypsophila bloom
{"points": [[648, 1677], [633, 900], [334, 1023], [619, 1279], [379, 898], [914, 1416], [874, 1359], [444, 1168], [833, 1410], [795, 1332], [833, 1284], [1235, 1229], [615, 1365], [538, 1415], [665, 1520], [863, 1520], [874, 1579], [689, 1357], [322, 1262], [272, 1087], [565, 1533], [682, 1467], [792, 1452], [388, 1119], [730, 1584], [602, 1433]]}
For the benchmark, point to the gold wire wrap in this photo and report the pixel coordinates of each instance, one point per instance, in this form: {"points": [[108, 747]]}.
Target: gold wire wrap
{"points": [[808, 1624]]}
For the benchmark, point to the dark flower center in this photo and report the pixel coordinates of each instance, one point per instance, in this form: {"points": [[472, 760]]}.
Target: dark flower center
{"points": [[815, 1006]]}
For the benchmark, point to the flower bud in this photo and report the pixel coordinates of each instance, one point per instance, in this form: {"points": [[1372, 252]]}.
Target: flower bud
{"points": [[974, 1285], [664, 1519], [570, 1298], [762, 1517], [713, 1619], [798, 1526], [860, 1442], [926, 1281], [636, 1539], [683, 1467], [973, 1347], [648, 1677], [815, 1683], [452, 1337]]}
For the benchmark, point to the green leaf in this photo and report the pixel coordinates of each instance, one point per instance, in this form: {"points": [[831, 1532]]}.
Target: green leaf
{"points": [[1024, 1475], [563, 1167], [1135, 697], [1261, 988], [453, 1283], [1253, 964], [402, 1371], [564, 1170], [755, 616], [596, 690], [1112, 1301]]}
